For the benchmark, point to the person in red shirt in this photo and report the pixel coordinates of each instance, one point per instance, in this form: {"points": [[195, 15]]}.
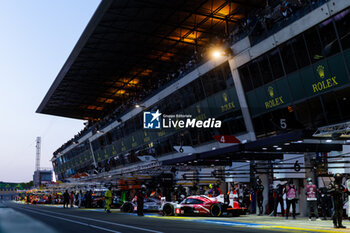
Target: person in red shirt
{"points": [[71, 199], [311, 198]]}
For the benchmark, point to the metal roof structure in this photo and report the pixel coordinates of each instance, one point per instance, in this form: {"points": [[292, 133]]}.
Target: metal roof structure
{"points": [[129, 45]]}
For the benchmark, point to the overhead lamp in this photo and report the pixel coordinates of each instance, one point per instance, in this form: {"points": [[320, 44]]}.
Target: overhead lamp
{"points": [[275, 146], [100, 131], [287, 143], [139, 106], [217, 54], [264, 148], [329, 140], [278, 148]]}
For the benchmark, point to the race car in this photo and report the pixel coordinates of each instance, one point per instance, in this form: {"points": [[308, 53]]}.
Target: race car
{"points": [[149, 204], [205, 205], [97, 201]]}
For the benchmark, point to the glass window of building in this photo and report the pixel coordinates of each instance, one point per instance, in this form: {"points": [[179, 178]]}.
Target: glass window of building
{"points": [[314, 44], [245, 78], [331, 108], [317, 116], [214, 81], [289, 61], [255, 74], [343, 97], [276, 64], [300, 51], [197, 89], [342, 21], [190, 98], [265, 69], [328, 38]]}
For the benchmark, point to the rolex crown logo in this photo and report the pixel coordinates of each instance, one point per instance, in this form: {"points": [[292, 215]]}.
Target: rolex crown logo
{"points": [[270, 90], [224, 95], [198, 109], [320, 71]]}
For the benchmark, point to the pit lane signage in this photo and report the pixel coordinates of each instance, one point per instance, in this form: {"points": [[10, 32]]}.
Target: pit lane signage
{"points": [[226, 139]]}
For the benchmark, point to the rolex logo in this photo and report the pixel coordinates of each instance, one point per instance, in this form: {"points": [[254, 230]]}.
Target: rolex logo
{"points": [[224, 95], [320, 71], [198, 109], [270, 90]]}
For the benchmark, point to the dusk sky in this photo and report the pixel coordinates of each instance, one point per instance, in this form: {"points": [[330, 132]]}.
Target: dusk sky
{"points": [[36, 38]]}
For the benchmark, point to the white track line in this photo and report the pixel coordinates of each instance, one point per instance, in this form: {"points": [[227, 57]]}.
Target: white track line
{"points": [[101, 221], [69, 220]]}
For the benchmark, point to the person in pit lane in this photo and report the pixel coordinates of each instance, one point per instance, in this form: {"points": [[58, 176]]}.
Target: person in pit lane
{"points": [[140, 197], [214, 190]]}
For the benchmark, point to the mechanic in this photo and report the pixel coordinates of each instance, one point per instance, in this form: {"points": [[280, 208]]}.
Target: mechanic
{"points": [[214, 191], [65, 199], [291, 192], [246, 196], [140, 196], [336, 189], [311, 198], [278, 199], [232, 194], [108, 199], [325, 201], [259, 188]]}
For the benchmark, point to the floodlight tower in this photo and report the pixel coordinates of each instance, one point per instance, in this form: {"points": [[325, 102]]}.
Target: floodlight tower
{"points": [[37, 162]]}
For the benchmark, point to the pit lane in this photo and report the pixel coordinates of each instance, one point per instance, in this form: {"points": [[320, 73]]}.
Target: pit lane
{"points": [[95, 220]]}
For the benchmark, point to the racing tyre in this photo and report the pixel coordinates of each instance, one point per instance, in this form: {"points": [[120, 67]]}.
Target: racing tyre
{"points": [[215, 210], [127, 208], [168, 210]]}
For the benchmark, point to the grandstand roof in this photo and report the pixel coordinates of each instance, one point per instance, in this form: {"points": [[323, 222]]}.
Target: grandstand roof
{"points": [[129, 44]]}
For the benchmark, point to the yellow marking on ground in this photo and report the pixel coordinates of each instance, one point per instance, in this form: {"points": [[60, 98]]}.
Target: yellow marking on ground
{"points": [[302, 229], [271, 227]]}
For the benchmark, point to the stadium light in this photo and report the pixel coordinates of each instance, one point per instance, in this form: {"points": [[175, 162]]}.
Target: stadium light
{"points": [[217, 54], [220, 51], [100, 131], [139, 106]]}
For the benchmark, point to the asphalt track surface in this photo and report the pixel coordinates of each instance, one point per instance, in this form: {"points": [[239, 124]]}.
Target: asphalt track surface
{"points": [[84, 221]]}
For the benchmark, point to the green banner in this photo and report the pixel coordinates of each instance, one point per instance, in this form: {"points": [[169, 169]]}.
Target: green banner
{"points": [[313, 80]]}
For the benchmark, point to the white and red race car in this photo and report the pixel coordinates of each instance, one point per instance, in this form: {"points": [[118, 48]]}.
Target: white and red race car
{"points": [[204, 205]]}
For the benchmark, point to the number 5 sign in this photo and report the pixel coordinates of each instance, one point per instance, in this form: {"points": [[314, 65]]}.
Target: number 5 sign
{"points": [[226, 139]]}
